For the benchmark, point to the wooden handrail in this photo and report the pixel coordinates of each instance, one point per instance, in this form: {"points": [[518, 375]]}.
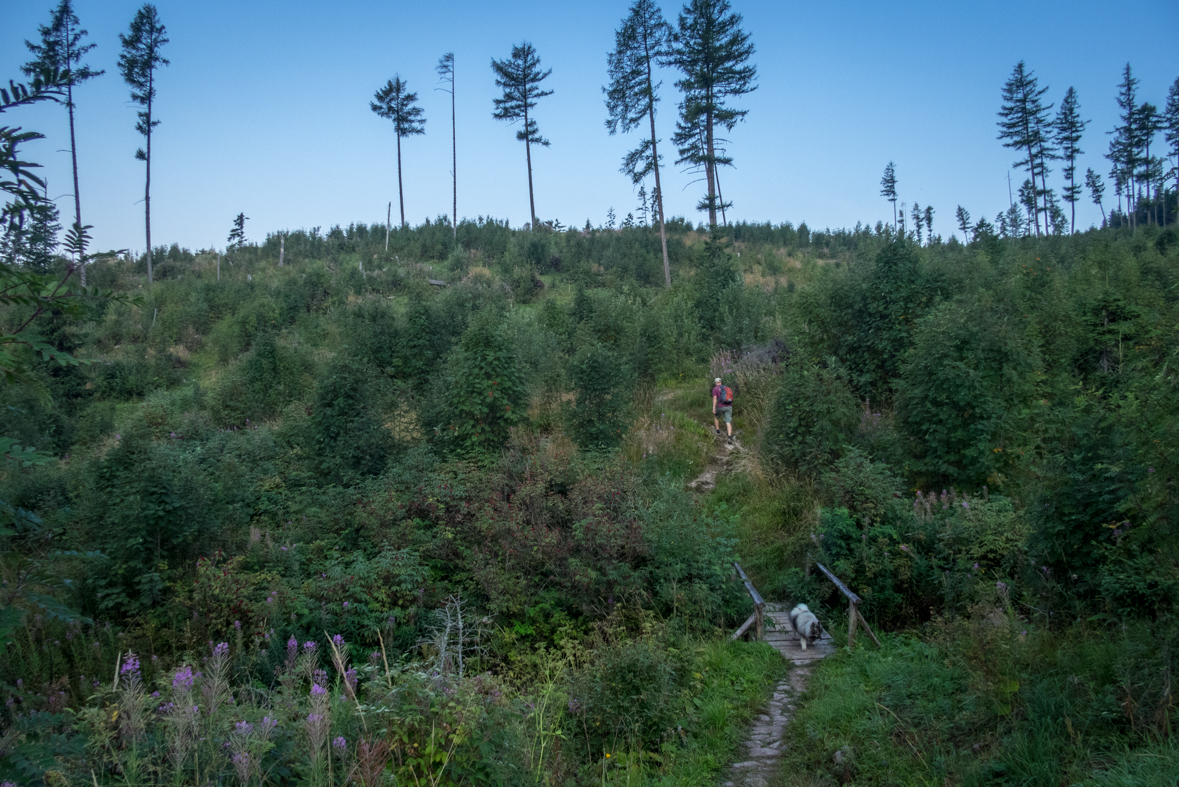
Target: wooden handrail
{"points": [[844, 589], [759, 604], [757, 599], [853, 608]]}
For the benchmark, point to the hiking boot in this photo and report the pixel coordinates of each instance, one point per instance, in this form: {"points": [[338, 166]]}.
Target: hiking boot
{"points": [[718, 432]]}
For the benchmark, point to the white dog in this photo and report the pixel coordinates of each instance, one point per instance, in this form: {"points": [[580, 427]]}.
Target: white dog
{"points": [[806, 625]]}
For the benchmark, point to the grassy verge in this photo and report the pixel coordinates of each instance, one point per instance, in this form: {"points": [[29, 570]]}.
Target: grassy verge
{"points": [[982, 704], [730, 683]]}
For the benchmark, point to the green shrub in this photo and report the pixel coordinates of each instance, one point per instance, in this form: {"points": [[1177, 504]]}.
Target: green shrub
{"points": [[347, 433], [624, 698], [481, 396], [600, 413], [963, 390], [257, 387], [810, 420]]}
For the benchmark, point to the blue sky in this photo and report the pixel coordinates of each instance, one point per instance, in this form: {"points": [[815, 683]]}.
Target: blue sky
{"points": [[265, 110]]}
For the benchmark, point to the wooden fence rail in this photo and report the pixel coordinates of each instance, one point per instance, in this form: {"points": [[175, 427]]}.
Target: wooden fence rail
{"points": [[758, 617], [853, 612]]}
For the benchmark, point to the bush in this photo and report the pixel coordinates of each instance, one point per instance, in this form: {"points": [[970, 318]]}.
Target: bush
{"points": [[811, 419], [625, 697], [963, 389], [348, 438], [482, 395], [601, 410]]}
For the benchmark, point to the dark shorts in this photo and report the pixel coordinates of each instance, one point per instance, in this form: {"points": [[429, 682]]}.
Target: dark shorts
{"points": [[725, 412]]}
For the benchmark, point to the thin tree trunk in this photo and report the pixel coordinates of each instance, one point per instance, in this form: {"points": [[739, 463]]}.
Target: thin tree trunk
{"points": [[720, 195], [400, 192], [453, 155], [655, 158], [1035, 199], [388, 221], [528, 157], [218, 267], [282, 249], [147, 187], [708, 166]]}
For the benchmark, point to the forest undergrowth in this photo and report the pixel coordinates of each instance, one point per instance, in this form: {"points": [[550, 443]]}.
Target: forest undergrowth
{"points": [[325, 521]]}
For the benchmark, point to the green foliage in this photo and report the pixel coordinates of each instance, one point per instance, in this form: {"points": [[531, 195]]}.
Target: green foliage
{"points": [[810, 420], [601, 410], [481, 393], [146, 509], [716, 275], [347, 434]]}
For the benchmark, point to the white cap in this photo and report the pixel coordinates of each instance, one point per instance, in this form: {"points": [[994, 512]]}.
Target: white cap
{"points": [[718, 379]]}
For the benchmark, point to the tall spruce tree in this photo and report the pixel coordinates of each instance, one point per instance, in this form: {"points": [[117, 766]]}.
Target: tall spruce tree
{"points": [[929, 222], [631, 96], [712, 52], [445, 69], [888, 190], [963, 216], [1096, 191], [1171, 134], [394, 102], [520, 76], [1068, 129], [918, 218], [1147, 124], [61, 49], [1024, 126], [138, 63], [1123, 148]]}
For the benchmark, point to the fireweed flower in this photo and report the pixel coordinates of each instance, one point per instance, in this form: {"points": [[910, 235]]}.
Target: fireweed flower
{"points": [[222, 649], [130, 666], [340, 744], [243, 728], [308, 646], [317, 690], [338, 640]]}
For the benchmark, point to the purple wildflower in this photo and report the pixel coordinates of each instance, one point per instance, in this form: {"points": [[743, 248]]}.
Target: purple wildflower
{"points": [[130, 666], [243, 728], [338, 640], [340, 743], [222, 649], [345, 605], [182, 680], [309, 646], [317, 690], [237, 624]]}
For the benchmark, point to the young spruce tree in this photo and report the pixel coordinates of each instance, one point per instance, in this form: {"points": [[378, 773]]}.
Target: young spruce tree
{"points": [[61, 49], [888, 190], [1068, 129], [138, 63], [631, 97], [1096, 191], [395, 102], [712, 52], [520, 76]]}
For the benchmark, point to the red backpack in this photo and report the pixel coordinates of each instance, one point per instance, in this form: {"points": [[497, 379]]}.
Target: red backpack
{"points": [[726, 397]]}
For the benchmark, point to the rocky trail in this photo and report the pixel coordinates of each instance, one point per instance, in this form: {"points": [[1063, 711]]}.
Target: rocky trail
{"points": [[758, 759]]}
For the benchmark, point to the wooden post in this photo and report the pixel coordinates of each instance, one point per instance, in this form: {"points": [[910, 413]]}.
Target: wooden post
{"points": [[282, 249], [851, 623], [867, 628], [761, 632]]}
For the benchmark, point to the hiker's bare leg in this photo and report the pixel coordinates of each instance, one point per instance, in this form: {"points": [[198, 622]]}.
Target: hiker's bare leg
{"points": [[729, 426]]}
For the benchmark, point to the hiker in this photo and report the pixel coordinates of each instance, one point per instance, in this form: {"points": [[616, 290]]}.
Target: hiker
{"points": [[722, 407]]}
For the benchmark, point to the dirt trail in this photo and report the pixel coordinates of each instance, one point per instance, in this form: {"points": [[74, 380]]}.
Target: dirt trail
{"points": [[706, 481], [764, 744]]}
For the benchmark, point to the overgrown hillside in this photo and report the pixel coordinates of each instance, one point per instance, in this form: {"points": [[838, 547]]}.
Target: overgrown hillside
{"points": [[430, 498]]}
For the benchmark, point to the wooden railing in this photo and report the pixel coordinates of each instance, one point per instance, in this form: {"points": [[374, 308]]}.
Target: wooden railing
{"points": [[758, 617], [853, 612]]}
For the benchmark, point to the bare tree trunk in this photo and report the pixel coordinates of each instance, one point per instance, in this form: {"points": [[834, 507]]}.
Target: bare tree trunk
{"points": [[218, 267], [655, 158], [388, 221], [453, 156], [528, 157], [709, 172], [720, 197], [400, 192], [282, 249]]}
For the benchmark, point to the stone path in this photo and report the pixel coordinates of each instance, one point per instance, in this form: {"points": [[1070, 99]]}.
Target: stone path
{"points": [[706, 481], [760, 756]]}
